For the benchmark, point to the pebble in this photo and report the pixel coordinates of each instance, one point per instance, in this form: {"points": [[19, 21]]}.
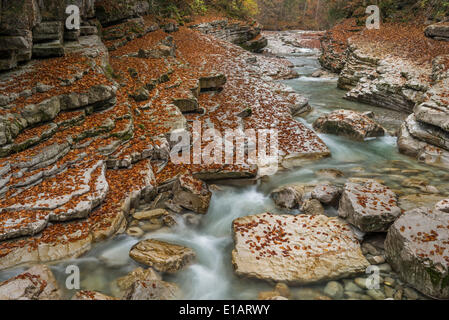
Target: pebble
{"points": [[350, 286], [334, 290], [410, 293], [398, 295], [148, 227], [376, 294], [266, 295], [389, 281], [376, 260], [389, 292], [283, 290], [370, 249], [385, 267], [361, 282], [135, 232]]}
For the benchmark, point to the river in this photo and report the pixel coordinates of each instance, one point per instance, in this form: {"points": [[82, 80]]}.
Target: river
{"points": [[212, 277]]}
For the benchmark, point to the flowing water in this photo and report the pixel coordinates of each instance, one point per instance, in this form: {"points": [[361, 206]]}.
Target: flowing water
{"points": [[212, 277]]}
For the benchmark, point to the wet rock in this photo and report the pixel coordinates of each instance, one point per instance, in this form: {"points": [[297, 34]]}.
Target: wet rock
{"points": [[191, 194], [330, 173], [421, 150], [152, 290], [150, 214], [36, 283], [309, 294], [389, 292], [350, 286], [361, 282], [416, 248], [370, 206], [376, 294], [283, 290], [349, 123], [162, 256], [327, 194], [91, 295], [312, 207], [418, 200], [139, 274], [267, 295], [376, 260], [288, 197], [135, 232], [334, 290], [421, 184], [410, 294], [301, 254], [300, 106]]}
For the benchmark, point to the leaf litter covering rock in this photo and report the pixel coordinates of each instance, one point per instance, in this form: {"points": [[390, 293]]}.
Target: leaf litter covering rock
{"points": [[417, 246], [295, 249], [370, 206], [36, 283], [126, 129]]}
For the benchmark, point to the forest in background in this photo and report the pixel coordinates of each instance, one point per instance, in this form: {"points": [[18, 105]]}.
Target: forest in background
{"points": [[304, 14]]}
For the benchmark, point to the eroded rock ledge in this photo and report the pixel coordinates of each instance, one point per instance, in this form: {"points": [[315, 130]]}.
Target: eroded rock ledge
{"points": [[390, 72], [84, 134]]}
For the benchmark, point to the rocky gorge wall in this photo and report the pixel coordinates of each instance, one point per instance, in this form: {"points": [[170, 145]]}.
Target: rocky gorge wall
{"points": [[248, 36], [373, 72], [85, 120]]}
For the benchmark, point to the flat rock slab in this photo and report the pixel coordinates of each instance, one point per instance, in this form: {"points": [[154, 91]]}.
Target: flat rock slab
{"points": [[370, 206], [162, 256], [295, 249], [72, 194], [417, 247], [349, 123], [36, 283]]}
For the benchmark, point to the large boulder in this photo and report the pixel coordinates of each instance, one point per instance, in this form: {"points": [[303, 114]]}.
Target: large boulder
{"points": [[162, 256], [349, 123], [417, 248], [288, 197], [36, 283], [370, 206], [191, 194], [295, 249], [327, 194]]}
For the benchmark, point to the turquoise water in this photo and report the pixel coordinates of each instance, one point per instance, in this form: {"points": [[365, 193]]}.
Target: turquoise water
{"points": [[212, 277]]}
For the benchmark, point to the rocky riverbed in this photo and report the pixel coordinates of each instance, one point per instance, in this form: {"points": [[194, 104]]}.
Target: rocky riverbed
{"points": [[87, 178]]}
